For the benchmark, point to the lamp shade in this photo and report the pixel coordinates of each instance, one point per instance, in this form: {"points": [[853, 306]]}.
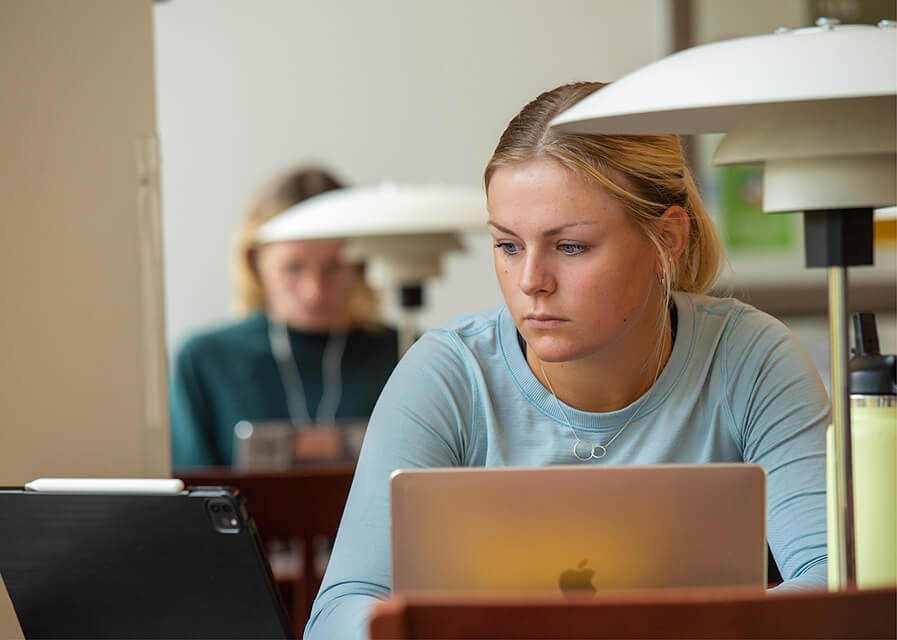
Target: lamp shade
{"points": [[816, 106], [400, 231], [386, 209], [706, 88]]}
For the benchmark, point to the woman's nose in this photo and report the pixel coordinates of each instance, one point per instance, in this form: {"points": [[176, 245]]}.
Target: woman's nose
{"points": [[313, 288], [536, 276]]}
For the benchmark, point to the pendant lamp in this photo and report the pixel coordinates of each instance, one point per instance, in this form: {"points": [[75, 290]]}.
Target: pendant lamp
{"points": [[400, 232], [817, 107]]}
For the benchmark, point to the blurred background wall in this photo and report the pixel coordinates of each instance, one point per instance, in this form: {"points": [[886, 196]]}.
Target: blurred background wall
{"points": [[399, 90]]}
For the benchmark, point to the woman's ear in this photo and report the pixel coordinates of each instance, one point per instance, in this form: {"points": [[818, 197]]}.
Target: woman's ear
{"points": [[673, 227]]}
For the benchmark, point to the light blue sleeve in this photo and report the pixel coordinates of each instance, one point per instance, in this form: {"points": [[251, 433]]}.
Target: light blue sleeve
{"points": [[779, 410], [421, 419]]}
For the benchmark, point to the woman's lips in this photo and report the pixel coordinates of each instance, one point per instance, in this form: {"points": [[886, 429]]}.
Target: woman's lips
{"points": [[540, 321]]}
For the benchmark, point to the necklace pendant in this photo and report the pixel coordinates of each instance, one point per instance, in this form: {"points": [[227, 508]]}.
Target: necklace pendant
{"points": [[584, 452]]}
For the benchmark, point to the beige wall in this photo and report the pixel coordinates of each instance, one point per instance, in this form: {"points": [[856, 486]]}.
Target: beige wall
{"points": [[9, 624], [82, 372], [722, 19]]}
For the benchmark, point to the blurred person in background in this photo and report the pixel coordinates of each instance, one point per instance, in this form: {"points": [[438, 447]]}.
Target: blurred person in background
{"points": [[309, 350]]}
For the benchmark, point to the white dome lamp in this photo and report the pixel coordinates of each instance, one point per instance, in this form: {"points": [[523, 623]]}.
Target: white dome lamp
{"points": [[401, 233], [818, 107]]}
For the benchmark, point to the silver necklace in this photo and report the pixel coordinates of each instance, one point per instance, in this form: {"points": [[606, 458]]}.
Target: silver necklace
{"points": [[584, 450]]}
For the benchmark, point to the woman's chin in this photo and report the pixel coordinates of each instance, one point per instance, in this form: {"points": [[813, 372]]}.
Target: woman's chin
{"points": [[554, 350]]}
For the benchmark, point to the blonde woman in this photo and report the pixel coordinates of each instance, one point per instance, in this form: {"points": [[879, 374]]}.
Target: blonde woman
{"points": [[605, 352], [309, 349]]}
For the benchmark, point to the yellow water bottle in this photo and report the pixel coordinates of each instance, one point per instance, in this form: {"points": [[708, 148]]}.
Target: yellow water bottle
{"points": [[873, 424]]}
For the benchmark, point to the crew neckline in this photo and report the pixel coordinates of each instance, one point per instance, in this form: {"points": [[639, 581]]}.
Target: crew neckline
{"points": [[538, 396], [318, 336]]}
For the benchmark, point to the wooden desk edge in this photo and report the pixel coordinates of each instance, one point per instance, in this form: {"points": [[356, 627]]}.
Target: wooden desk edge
{"points": [[395, 616], [388, 618]]}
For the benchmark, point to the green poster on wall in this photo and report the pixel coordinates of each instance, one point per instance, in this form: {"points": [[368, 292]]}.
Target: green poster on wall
{"points": [[744, 224]]}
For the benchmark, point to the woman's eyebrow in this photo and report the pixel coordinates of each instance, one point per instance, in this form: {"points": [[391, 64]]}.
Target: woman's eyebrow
{"points": [[501, 228], [549, 232]]}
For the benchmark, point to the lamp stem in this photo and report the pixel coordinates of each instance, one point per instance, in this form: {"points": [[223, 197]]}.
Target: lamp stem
{"points": [[407, 330], [843, 450], [411, 299]]}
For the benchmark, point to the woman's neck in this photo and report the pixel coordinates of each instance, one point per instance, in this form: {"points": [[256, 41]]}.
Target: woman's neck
{"points": [[608, 382]]}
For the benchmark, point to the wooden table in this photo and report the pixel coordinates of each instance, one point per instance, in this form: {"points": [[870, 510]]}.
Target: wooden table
{"points": [[668, 613], [302, 504]]}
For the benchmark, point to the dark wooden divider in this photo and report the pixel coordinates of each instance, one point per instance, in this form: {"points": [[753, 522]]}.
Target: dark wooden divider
{"points": [[680, 613]]}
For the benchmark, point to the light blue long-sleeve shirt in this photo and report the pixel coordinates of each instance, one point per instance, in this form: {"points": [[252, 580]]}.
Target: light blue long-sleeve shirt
{"points": [[737, 387]]}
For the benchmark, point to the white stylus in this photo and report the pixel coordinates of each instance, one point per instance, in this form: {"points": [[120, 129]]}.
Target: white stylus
{"points": [[106, 485]]}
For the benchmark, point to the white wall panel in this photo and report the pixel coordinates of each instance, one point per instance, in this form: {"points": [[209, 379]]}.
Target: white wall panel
{"points": [[398, 90]]}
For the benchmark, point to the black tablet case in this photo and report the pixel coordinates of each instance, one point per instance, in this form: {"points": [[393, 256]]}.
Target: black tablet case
{"points": [[136, 566]]}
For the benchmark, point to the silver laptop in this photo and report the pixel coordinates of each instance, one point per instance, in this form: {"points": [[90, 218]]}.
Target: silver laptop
{"points": [[572, 530]]}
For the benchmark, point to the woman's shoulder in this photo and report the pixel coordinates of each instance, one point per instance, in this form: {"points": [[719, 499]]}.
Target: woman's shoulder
{"points": [[456, 338], [445, 363], [470, 324], [741, 327], [732, 313], [239, 335]]}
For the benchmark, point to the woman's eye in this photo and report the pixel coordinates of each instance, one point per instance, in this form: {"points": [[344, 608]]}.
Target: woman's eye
{"points": [[508, 247], [572, 248]]}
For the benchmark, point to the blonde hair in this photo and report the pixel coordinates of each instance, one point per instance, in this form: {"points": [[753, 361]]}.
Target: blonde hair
{"points": [[647, 174], [272, 199]]}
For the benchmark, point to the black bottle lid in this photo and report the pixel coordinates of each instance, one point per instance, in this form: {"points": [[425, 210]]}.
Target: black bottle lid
{"points": [[870, 372]]}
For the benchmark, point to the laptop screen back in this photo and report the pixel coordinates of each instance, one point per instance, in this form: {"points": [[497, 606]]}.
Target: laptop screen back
{"points": [[571, 530]]}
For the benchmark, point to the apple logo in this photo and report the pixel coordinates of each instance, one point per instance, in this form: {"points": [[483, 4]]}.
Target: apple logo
{"points": [[576, 584]]}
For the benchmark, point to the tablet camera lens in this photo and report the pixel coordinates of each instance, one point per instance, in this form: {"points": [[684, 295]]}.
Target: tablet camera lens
{"points": [[223, 515]]}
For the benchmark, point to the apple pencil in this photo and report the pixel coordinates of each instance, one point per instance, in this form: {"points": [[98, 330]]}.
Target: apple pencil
{"points": [[106, 485]]}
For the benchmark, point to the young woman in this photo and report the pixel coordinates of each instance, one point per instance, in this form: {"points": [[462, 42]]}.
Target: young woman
{"points": [[605, 352], [310, 349]]}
